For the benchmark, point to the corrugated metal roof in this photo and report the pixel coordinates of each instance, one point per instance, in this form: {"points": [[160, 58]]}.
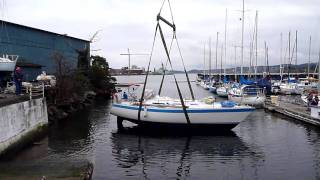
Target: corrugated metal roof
{"points": [[28, 27]]}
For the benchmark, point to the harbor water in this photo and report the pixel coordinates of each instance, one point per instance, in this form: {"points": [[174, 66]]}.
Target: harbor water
{"points": [[264, 146]]}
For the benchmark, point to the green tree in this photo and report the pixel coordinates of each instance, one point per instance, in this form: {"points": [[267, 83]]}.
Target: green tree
{"points": [[101, 81]]}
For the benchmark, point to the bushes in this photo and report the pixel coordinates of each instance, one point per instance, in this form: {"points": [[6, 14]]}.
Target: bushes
{"points": [[74, 83], [99, 76]]}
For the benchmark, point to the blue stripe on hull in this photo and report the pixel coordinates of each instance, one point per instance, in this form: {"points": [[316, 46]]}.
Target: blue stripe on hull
{"points": [[181, 111]]}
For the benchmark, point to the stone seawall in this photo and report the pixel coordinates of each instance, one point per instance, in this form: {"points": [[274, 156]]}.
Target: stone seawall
{"points": [[20, 122]]}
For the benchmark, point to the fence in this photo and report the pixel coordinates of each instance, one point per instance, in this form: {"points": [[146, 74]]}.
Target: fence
{"points": [[35, 90]]}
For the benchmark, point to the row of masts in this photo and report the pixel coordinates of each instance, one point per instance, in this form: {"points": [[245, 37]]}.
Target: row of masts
{"points": [[253, 57]]}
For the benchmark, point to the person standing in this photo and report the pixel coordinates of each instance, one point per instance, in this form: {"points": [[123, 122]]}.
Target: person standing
{"points": [[18, 80], [125, 96]]}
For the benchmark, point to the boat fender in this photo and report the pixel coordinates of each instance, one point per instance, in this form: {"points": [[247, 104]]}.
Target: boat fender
{"points": [[145, 110]]}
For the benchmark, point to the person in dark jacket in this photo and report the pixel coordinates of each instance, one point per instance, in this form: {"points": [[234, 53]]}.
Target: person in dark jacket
{"points": [[18, 80], [125, 96]]}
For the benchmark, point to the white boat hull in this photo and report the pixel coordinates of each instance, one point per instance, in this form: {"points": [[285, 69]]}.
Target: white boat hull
{"points": [[8, 62], [289, 89], [247, 95], [256, 101], [176, 116], [7, 66], [222, 92]]}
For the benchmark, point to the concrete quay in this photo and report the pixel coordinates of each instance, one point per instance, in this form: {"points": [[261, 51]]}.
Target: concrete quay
{"points": [[22, 120]]}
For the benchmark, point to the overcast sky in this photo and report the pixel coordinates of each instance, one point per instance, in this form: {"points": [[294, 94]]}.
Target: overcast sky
{"points": [[131, 23]]}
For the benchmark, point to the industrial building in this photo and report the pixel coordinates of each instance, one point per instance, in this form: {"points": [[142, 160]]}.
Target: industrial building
{"points": [[36, 48]]}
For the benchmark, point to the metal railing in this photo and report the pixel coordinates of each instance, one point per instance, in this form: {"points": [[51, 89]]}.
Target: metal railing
{"points": [[34, 90]]}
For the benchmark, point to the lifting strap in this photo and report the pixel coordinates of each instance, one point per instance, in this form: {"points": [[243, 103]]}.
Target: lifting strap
{"points": [[174, 76], [146, 78], [168, 60]]}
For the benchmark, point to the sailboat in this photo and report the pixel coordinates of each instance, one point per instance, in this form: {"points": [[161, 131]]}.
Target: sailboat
{"points": [[156, 110], [8, 62], [290, 86], [248, 92]]}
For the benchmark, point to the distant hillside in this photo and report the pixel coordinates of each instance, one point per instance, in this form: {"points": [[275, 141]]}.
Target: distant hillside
{"points": [[273, 69]]}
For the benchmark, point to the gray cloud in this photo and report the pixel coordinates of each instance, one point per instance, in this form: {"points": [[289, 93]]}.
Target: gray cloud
{"points": [[130, 24]]}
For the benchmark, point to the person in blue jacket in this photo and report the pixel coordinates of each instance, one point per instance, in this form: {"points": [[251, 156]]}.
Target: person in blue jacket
{"points": [[125, 96]]}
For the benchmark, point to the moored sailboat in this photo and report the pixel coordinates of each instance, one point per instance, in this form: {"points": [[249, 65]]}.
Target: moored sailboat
{"points": [[248, 94], [8, 62]]}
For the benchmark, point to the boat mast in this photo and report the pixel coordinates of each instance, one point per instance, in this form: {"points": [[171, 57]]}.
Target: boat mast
{"points": [[268, 67], [250, 56], [221, 57], [225, 39], [235, 63], [296, 48], [280, 68], [129, 62], [217, 51], [204, 61], [309, 56], [241, 71], [265, 58], [289, 58], [210, 59], [319, 72], [256, 63]]}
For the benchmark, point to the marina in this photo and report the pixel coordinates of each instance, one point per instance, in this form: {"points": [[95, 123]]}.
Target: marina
{"points": [[159, 90]]}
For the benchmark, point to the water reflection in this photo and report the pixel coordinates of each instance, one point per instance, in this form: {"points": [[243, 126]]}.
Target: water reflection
{"points": [[73, 132], [313, 136], [136, 148]]}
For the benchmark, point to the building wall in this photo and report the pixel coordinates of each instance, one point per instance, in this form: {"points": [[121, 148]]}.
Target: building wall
{"points": [[20, 120], [37, 46]]}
